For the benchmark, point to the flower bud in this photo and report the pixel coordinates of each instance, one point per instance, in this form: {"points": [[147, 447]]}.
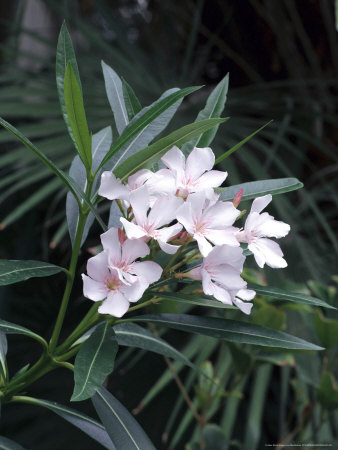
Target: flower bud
{"points": [[238, 198]]}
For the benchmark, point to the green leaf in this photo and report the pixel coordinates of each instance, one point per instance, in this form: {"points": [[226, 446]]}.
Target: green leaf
{"points": [[14, 271], [279, 294], [101, 143], [115, 96], [132, 335], [27, 143], [8, 444], [77, 117], [3, 353], [199, 300], [229, 330], [65, 54], [148, 133], [240, 144], [85, 423], [327, 391], [255, 189], [214, 438], [269, 315], [121, 426], [152, 154], [146, 119], [13, 328], [326, 329], [133, 106], [94, 362], [213, 108]]}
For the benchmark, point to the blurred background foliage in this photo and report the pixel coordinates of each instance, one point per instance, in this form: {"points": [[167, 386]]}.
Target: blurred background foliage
{"points": [[282, 58]]}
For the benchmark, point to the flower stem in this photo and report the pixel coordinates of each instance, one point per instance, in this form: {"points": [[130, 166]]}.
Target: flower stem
{"points": [[70, 281]]}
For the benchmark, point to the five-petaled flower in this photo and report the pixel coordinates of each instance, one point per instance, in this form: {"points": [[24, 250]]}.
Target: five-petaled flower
{"points": [[115, 277], [258, 227]]}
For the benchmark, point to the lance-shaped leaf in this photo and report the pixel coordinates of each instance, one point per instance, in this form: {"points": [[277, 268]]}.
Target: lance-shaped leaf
{"points": [[153, 153], [13, 328], [132, 335], [133, 105], [77, 117], [240, 144], [115, 96], [199, 300], [136, 128], [279, 294], [85, 423], [64, 54], [229, 330], [149, 132], [94, 362], [255, 189], [101, 143], [213, 108], [12, 271], [121, 426], [69, 182], [3, 353], [8, 444]]}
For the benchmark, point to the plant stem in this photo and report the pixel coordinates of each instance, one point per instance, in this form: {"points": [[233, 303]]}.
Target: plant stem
{"points": [[70, 281]]}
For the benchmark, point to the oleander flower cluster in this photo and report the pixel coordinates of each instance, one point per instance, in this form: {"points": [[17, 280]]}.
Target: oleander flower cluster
{"points": [[177, 210]]}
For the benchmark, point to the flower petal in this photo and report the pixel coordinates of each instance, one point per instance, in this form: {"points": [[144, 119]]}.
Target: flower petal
{"points": [[273, 228], [269, 252], [94, 290], [134, 291], [175, 160], [133, 249], [260, 203], [204, 246], [243, 306], [139, 199], [221, 215], [112, 188], [97, 267], [168, 248], [199, 161], [116, 305], [166, 233], [220, 237], [110, 242], [150, 270], [132, 230], [139, 178], [185, 216], [164, 211], [211, 179], [195, 274]]}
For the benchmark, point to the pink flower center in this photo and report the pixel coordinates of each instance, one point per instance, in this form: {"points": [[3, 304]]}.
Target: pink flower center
{"points": [[113, 283]]}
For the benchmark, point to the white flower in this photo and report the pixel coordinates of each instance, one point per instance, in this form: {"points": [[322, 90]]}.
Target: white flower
{"points": [[207, 220], [257, 228], [220, 273], [115, 276], [145, 225], [113, 189], [193, 174]]}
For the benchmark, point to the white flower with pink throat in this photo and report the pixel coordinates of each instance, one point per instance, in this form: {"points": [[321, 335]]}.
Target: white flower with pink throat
{"points": [[115, 277], [260, 226]]}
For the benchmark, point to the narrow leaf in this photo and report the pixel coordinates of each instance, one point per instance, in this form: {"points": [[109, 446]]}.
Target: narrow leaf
{"points": [[3, 353], [149, 132], [213, 108], [13, 328], [240, 144], [14, 271], [85, 423], [101, 143], [77, 117], [132, 335], [133, 106], [115, 96], [121, 426], [64, 54], [152, 154], [255, 189], [229, 330], [144, 120], [279, 294], [8, 444], [199, 300], [94, 362]]}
